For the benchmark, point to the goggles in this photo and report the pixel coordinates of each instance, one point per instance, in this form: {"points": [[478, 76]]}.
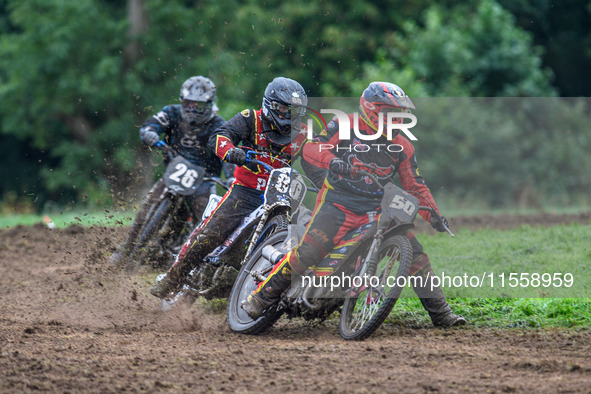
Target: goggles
{"points": [[198, 106], [284, 111]]}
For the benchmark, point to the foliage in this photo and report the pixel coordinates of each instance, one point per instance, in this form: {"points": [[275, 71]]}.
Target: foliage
{"points": [[78, 78], [470, 50], [502, 152]]}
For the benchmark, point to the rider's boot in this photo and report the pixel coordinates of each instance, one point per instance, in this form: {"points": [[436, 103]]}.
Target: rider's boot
{"points": [[431, 296], [173, 278], [164, 285], [269, 291]]}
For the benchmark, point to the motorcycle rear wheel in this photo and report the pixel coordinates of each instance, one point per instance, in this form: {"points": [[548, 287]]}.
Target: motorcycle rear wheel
{"points": [[364, 312]]}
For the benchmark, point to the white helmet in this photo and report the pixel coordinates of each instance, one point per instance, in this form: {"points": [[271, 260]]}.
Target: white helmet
{"points": [[197, 100]]}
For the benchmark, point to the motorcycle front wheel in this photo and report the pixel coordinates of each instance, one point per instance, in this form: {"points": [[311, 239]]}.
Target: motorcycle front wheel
{"points": [[245, 284], [368, 306], [150, 228]]}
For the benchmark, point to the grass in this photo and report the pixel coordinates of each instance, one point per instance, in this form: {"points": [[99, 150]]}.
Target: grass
{"points": [[503, 312], [556, 249], [64, 219], [550, 252]]}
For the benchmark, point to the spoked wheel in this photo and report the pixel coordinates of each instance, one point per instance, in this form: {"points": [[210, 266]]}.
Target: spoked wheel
{"points": [[151, 227], [368, 307], [245, 284]]}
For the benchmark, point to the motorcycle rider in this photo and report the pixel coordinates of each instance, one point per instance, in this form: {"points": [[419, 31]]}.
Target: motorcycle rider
{"points": [[348, 203], [186, 128], [265, 130]]}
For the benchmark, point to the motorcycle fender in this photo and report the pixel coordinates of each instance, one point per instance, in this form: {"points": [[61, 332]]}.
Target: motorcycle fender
{"points": [[402, 229]]}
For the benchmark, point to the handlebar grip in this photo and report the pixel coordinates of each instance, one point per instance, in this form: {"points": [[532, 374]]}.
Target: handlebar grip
{"points": [[438, 217], [250, 158]]}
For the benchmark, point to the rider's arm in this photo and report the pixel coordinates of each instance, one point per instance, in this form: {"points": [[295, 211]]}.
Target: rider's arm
{"points": [[319, 151], [232, 133], [159, 123], [411, 180]]}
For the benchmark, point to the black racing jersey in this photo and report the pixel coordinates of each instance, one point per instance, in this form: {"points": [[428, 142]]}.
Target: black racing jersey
{"points": [[191, 144], [247, 128]]}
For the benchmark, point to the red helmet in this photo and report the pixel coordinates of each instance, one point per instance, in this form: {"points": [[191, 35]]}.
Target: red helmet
{"points": [[382, 97]]}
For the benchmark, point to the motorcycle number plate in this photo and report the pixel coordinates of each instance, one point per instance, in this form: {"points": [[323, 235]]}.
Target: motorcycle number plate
{"points": [[182, 176], [285, 185], [399, 205]]}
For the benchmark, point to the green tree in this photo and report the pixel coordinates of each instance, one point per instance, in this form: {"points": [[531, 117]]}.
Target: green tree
{"points": [[59, 88], [78, 78], [564, 30], [473, 49]]}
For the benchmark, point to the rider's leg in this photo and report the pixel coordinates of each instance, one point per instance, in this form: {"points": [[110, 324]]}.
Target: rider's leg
{"points": [[126, 247], [431, 296], [237, 203], [199, 200], [328, 226]]}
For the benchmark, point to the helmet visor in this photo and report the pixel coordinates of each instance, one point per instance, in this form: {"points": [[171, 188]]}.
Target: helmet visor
{"points": [[283, 111], [286, 111], [199, 107]]}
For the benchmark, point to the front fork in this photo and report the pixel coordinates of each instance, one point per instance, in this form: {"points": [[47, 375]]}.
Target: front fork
{"points": [[259, 229], [370, 266]]}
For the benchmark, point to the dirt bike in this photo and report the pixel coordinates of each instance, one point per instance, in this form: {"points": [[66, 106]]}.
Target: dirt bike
{"points": [[170, 219], [214, 277], [364, 303]]}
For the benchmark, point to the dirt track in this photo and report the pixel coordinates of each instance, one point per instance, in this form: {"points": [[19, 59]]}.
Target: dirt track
{"points": [[68, 323]]}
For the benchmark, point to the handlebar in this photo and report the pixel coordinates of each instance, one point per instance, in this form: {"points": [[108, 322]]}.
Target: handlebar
{"points": [[166, 149], [371, 176], [438, 217], [432, 210], [251, 159]]}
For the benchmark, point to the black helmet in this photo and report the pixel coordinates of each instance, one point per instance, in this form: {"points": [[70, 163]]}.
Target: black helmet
{"points": [[381, 97], [284, 101], [197, 100]]}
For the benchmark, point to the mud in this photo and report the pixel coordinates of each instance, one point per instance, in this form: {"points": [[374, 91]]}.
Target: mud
{"points": [[70, 323]]}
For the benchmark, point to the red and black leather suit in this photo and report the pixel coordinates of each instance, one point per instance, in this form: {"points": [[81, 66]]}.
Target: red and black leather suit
{"points": [[346, 208]]}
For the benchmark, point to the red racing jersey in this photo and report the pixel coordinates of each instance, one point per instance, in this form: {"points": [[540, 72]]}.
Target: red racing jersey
{"points": [[249, 129], [381, 157]]}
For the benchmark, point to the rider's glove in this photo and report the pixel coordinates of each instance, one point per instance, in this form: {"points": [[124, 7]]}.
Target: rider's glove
{"points": [[150, 138], [340, 167], [235, 156], [439, 225]]}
